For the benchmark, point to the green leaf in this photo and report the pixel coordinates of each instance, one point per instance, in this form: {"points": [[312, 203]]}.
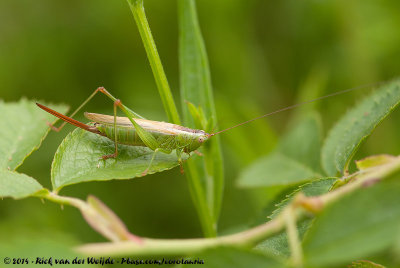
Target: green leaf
{"points": [[78, 159], [278, 245], [357, 225], [22, 129], [296, 159], [238, 258], [303, 141], [275, 169], [314, 188], [373, 161], [206, 181], [17, 185], [364, 264], [347, 135]]}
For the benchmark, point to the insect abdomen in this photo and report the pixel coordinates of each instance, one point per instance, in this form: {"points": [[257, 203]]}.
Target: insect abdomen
{"points": [[125, 135]]}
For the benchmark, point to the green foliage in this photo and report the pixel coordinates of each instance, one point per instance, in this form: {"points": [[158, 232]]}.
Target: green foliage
{"points": [[78, 159], [195, 87], [348, 134], [16, 185], [238, 258], [361, 219], [275, 169], [278, 245], [364, 264], [22, 130], [373, 161], [302, 141], [314, 188], [293, 161], [359, 224]]}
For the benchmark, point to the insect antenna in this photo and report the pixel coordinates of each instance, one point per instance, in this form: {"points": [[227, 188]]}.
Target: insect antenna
{"points": [[300, 104]]}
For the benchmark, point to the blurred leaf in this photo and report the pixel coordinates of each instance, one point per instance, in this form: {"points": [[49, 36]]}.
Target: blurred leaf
{"points": [[296, 159], [22, 129], [78, 159], [364, 264], [244, 143], [238, 258], [314, 188], [303, 141], [195, 84], [373, 161], [41, 248], [105, 221], [352, 129], [278, 245], [275, 169], [17, 185], [359, 224]]}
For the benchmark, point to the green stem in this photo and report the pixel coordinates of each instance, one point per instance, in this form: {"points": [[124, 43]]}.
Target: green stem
{"points": [[296, 251], [182, 246], [206, 176], [200, 200], [250, 237], [155, 61], [64, 200]]}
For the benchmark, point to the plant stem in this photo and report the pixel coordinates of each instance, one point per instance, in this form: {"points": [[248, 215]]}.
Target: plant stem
{"points": [[250, 237], [164, 90], [296, 251], [206, 176], [63, 200], [199, 199]]}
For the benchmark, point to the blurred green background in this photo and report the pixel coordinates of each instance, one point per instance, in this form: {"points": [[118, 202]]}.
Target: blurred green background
{"points": [[263, 55]]}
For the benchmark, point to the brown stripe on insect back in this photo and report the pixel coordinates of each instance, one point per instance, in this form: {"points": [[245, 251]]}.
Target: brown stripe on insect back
{"points": [[191, 130]]}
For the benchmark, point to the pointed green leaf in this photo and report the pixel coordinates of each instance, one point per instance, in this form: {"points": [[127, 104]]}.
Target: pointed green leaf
{"points": [[314, 188], [207, 180], [296, 159], [373, 161], [78, 159], [275, 169], [347, 135], [356, 226], [365, 264], [17, 185], [278, 245], [303, 141], [22, 129]]}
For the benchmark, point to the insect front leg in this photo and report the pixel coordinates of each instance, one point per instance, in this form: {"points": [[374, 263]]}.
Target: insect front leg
{"points": [[115, 154], [180, 161], [147, 138]]}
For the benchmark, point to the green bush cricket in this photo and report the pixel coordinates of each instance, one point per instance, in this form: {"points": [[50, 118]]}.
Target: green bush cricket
{"points": [[164, 137]]}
